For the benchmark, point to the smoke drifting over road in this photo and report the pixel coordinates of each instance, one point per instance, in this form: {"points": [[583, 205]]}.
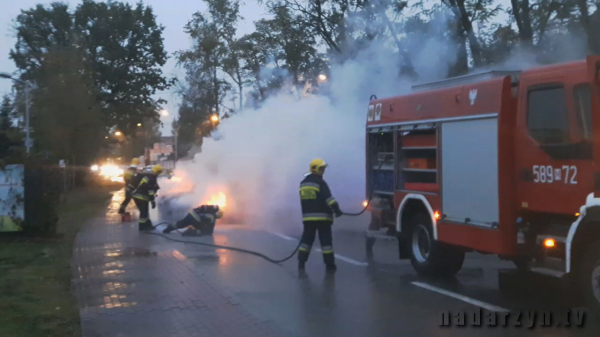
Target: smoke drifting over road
{"points": [[261, 155]]}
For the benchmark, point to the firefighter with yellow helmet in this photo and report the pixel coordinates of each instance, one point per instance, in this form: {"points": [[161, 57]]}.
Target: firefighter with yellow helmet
{"points": [[144, 195], [129, 179], [318, 210]]}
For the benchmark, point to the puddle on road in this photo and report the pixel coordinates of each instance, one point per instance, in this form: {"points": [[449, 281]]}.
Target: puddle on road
{"points": [[208, 257], [131, 252]]}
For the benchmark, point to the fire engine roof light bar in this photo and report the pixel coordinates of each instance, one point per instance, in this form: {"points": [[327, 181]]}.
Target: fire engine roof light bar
{"points": [[467, 79]]}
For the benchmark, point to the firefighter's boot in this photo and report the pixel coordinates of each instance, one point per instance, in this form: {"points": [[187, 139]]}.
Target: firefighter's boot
{"points": [[169, 229], [145, 226], [329, 258], [303, 253]]}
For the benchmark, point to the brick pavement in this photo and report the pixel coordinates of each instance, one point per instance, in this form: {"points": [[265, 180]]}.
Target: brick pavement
{"points": [[132, 284]]}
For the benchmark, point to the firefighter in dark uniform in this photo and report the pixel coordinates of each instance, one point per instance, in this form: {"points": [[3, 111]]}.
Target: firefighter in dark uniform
{"points": [[131, 171], [144, 194], [318, 209], [201, 219]]}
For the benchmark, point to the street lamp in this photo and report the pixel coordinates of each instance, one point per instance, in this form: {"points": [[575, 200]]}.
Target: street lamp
{"points": [[214, 118], [118, 133], [323, 77], [164, 112], [139, 124], [27, 89]]}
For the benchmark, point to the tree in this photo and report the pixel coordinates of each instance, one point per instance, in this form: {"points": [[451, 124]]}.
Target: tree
{"points": [[225, 15], [289, 46], [125, 48], [532, 18], [466, 13], [11, 139], [254, 53], [121, 46], [6, 111], [5, 127], [325, 17], [68, 120], [590, 22], [203, 61]]}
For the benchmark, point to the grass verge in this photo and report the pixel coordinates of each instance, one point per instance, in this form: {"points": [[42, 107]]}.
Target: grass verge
{"points": [[36, 298]]}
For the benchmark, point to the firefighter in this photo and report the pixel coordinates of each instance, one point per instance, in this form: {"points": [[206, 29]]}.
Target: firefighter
{"points": [[144, 194], [201, 219], [318, 208], [128, 177]]}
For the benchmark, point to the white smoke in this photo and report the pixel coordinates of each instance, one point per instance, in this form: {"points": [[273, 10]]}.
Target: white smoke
{"points": [[262, 155]]}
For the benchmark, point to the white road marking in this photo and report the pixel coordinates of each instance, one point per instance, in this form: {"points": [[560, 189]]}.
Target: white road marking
{"points": [[460, 297], [347, 259], [343, 258], [285, 237]]}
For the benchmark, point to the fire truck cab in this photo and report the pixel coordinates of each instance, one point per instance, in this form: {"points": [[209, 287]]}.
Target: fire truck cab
{"points": [[502, 162]]}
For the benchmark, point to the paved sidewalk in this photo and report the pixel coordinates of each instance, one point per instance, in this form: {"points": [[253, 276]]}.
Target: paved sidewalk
{"points": [[132, 284]]}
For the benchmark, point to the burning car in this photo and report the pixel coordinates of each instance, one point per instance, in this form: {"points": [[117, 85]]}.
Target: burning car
{"points": [[178, 195]]}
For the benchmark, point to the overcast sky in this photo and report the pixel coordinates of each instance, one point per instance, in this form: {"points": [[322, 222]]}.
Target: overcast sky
{"points": [[173, 14]]}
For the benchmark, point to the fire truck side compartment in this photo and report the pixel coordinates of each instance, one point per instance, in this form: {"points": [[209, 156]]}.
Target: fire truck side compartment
{"points": [[380, 176], [470, 172], [427, 112]]}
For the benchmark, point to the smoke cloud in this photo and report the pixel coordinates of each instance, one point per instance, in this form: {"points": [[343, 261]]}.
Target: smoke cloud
{"points": [[261, 155]]}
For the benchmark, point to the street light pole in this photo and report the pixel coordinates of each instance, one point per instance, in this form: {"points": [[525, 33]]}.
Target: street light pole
{"points": [[176, 132], [27, 103]]}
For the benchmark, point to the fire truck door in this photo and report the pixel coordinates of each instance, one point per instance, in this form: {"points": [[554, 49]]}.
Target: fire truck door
{"points": [[553, 145]]}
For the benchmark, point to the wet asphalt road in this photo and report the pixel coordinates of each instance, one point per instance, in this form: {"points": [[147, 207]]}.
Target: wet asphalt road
{"points": [[369, 296]]}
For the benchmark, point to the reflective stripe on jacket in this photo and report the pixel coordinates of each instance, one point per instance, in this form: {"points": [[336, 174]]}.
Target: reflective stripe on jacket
{"points": [[147, 188], [316, 200]]}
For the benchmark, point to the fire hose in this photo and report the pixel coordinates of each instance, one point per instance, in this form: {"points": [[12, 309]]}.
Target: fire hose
{"points": [[241, 250], [247, 251]]}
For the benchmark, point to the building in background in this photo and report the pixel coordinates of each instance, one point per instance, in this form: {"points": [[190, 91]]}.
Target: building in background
{"points": [[162, 153]]}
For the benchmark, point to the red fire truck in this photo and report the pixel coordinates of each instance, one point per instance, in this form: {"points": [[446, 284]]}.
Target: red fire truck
{"points": [[499, 163]]}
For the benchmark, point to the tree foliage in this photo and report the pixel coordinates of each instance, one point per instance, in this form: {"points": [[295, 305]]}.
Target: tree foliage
{"points": [[68, 120], [118, 51], [11, 138]]}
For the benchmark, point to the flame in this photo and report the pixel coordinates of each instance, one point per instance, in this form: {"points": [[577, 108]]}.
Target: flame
{"points": [[176, 179], [219, 199]]}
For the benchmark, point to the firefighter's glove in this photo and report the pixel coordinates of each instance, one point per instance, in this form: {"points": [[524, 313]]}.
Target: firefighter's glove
{"points": [[153, 204], [338, 213]]}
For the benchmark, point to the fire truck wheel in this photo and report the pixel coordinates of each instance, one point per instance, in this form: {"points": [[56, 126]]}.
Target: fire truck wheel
{"points": [[431, 258], [589, 277]]}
